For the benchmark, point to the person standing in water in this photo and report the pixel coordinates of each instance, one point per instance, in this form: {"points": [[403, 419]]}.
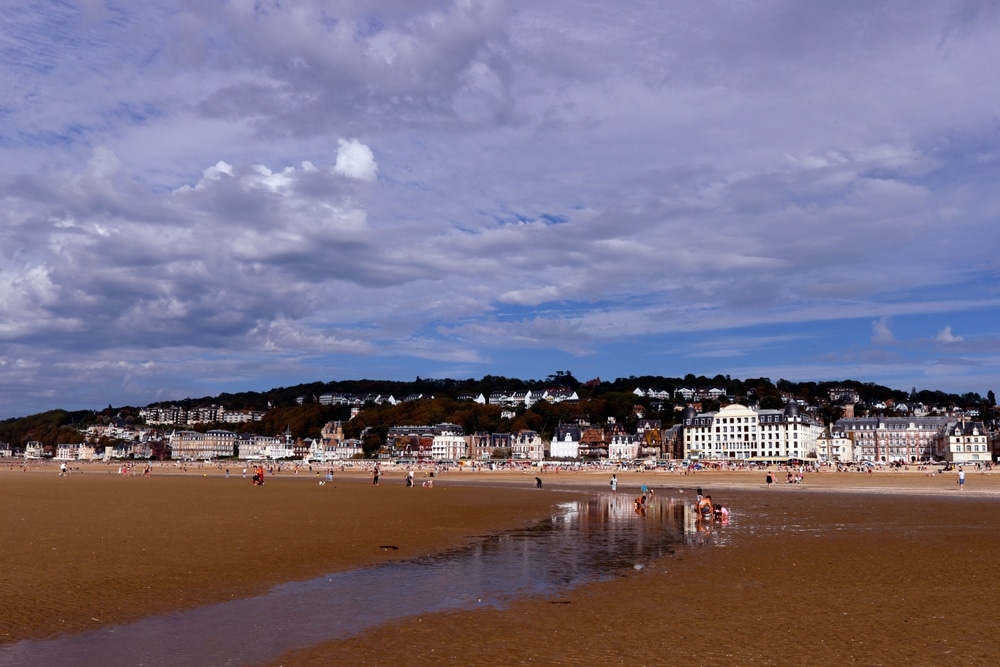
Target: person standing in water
{"points": [[614, 483]]}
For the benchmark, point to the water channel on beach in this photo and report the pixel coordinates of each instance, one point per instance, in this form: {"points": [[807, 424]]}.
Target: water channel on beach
{"points": [[584, 541]]}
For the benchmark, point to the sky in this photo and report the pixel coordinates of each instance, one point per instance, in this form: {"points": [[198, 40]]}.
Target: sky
{"points": [[207, 196]]}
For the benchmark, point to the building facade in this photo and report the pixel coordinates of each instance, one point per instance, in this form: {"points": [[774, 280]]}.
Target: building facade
{"points": [[881, 439], [739, 433]]}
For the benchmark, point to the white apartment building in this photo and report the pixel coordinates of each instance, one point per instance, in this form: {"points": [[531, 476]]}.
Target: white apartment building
{"points": [[565, 443], [74, 452], [739, 433], [449, 446], [964, 443], [833, 445], [256, 447]]}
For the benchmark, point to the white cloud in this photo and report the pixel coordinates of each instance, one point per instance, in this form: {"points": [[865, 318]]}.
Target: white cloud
{"points": [[946, 336], [355, 160], [882, 332]]}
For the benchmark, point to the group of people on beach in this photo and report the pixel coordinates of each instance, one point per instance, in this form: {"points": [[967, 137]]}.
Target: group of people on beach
{"points": [[708, 511], [258, 476], [790, 478]]}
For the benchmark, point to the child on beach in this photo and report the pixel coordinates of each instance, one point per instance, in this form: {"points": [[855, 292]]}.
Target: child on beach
{"points": [[721, 514]]}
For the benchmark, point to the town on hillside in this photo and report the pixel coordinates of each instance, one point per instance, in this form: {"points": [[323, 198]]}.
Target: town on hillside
{"points": [[687, 424]]}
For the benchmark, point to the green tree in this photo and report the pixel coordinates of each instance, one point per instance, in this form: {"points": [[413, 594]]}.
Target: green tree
{"points": [[771, 402]]}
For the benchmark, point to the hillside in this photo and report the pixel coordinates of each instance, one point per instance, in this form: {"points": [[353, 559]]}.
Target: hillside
{"points": [[298, 409]]}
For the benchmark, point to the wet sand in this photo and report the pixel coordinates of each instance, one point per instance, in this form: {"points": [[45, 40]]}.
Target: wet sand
{"points": [[883, 569], [94, 549]]}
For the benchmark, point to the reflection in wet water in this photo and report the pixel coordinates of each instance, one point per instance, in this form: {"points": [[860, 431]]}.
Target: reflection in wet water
{"points": [[600, 537]]}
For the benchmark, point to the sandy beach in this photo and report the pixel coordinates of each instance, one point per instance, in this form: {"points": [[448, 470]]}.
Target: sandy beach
{"points": [[846, 568]]}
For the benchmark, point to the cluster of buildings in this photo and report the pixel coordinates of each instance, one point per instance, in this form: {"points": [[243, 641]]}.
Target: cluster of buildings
{"points": [[734, 433], [738, 433], [220, 443], [211, 414], [508, 399], [527, 398]]}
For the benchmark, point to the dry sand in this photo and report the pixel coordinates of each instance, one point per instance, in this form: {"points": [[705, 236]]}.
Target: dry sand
{"points": [[882, 569]]}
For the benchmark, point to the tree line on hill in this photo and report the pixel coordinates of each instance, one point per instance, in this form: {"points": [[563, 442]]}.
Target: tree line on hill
{"points": [[298, 410]]}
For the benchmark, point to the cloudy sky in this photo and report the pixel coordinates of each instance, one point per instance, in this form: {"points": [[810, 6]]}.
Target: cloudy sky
{"points": [[199, 196]]}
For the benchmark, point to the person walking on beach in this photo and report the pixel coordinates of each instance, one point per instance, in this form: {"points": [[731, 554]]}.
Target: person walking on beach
{"points": [[770, 480], [614, 483], [961, 479], [538, 482]]}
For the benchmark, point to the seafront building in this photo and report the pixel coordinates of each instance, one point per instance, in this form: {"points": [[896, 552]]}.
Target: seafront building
{"points": [[195, 446], [449, 444], [740, 434], [834, 446], [624, 447], [880, 439], [566, 442], [912, 439], [965, 443], [526, 444]]}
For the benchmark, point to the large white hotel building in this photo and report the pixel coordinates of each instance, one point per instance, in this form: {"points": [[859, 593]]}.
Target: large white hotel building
{"points": [[738, 433]]}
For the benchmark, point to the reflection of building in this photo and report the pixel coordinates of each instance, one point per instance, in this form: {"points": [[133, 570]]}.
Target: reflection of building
{"points": [[611, 518], [739, 433]]}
